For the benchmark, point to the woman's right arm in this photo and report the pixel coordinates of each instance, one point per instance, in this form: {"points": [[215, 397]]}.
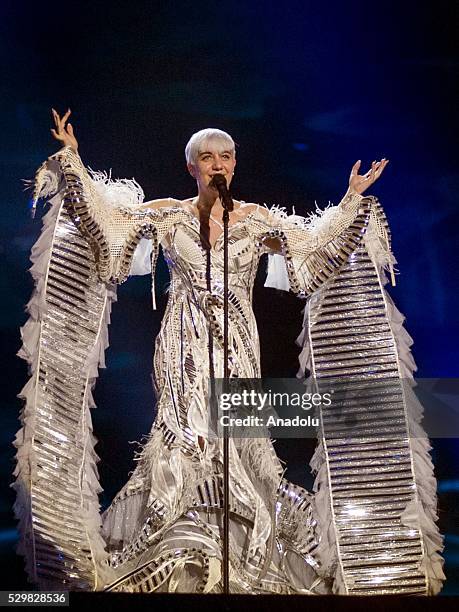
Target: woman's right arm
{"points": [[110, 213], [64, 134]]}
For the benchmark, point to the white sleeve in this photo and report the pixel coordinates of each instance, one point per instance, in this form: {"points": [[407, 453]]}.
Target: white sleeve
{"points": [[141, 261], [277, 277]]}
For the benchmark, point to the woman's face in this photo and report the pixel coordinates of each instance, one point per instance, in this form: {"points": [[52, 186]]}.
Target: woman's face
{"points": [[213, 159]]}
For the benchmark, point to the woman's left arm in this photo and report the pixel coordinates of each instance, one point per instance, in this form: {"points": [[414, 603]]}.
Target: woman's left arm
{"points": [[314, 248]]}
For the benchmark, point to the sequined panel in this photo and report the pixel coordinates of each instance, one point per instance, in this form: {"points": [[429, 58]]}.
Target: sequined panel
{"points": [[62, 538], [365, 434]]}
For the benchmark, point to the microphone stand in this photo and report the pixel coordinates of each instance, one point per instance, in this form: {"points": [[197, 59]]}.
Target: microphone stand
{"points": [[227, 203], [226, 208]]}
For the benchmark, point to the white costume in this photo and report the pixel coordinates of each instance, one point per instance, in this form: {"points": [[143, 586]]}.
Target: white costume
{"points": [[369, 527]]}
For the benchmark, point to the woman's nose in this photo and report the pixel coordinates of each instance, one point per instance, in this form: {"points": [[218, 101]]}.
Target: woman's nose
{"points": [[217, 164]]}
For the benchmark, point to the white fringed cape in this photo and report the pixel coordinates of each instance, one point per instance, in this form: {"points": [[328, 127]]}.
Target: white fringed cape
{"points": [[422, 514]]}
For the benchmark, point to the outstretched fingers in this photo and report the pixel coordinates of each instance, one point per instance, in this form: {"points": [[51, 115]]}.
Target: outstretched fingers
{"points": [[55, 117], [381, 165], [376, 170], [373, 171], [60, 123], [65, 117], [355, 168], [361, 182]]}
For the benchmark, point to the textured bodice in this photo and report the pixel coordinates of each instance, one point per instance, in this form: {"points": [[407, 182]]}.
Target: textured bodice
{"points": [[186, 258]]}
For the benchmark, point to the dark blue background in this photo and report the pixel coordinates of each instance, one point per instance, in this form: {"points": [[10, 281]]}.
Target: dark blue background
{"points": [[305, 89]]}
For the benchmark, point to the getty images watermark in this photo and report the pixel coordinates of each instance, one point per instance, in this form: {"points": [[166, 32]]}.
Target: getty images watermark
{"points": [[259, 407], [264, 408], [346, 408]]}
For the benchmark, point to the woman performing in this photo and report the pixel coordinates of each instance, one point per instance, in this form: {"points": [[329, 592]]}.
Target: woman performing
{"points": [[369, 528]]}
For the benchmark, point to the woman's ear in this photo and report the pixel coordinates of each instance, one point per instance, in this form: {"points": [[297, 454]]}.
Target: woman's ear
{"points": [[191, 170]]}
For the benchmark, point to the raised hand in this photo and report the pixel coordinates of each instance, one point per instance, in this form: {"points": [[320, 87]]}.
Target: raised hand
{"points": [[358, 183], [63, 133]]}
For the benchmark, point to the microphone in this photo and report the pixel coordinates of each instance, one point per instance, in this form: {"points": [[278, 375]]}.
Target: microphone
{"points": [[219, 182]]}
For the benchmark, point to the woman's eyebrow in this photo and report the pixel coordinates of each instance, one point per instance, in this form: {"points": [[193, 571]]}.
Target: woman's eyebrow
{"points": [[210, 153]]}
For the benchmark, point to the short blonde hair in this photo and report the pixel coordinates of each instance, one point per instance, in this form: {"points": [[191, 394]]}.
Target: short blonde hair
{"points": [[199, 139]]}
